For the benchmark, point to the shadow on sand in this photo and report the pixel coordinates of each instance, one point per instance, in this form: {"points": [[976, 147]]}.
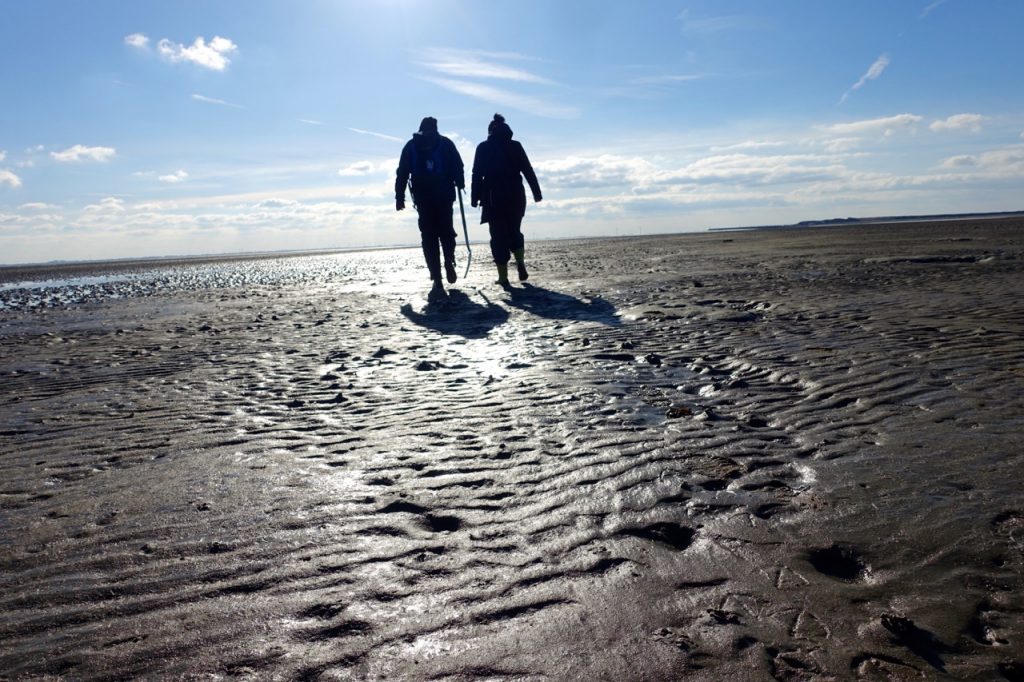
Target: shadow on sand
{"points": [[458, 314], [558, 306]]}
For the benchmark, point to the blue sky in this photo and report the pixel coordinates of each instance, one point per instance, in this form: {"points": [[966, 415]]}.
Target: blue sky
{"points": [[182, 127]]}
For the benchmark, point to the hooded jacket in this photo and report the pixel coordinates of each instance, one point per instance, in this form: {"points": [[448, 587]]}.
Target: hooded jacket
{"points": [[499, 167], [424, 147]]}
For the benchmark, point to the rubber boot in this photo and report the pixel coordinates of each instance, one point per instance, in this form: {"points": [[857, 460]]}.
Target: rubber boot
{"points": [[503, 275], [437, 292], [521, 265], [448, 250]]}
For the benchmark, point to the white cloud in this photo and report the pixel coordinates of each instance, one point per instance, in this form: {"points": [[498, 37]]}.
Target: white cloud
{"points": [[9, 178], [961, 161], [359, 168], [451, 68], [726, 172], [36, 206], [3, 155], [749, 144], [373, 134], [276, 203], [667, 79], [136, 40], [1007, 161], [176, 176], [212, 55], [606, 170], [838, 145], [470, 64], [746, 169], [30, 225], [932, 6], [213, 100], [506, 98], [718, 24], [81, 152], [873, 72], [363, 168], [972, 122], [886, 125], [107, 205], [310, 121]]}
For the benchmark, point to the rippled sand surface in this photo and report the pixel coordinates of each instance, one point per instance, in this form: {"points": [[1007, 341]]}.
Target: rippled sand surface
{"points": [[790, 455]]}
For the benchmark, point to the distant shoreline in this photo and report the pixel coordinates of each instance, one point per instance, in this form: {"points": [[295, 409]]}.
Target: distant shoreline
{"points": [[10, 272], [878, 220]]}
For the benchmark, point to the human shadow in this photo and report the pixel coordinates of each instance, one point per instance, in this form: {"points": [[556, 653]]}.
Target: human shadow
{"points": [[558, 306], [457, 314]]}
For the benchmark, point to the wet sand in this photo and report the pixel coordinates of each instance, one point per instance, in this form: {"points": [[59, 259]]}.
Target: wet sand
{"points": [[779, 454]]}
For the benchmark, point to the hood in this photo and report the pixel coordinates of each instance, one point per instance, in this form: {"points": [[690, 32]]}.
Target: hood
{"points": [[425, 140], [500, 131]]}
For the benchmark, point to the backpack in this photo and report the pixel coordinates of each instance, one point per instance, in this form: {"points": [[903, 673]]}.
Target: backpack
{"points": [[429, 178]]}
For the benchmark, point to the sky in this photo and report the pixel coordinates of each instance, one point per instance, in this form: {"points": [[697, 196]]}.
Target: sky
{"points": [[133, 129]]}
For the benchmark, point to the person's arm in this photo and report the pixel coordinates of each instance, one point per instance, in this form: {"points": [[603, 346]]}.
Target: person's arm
{"points": [[531, 177], [476, 193], [402, 177], [459, 169]]}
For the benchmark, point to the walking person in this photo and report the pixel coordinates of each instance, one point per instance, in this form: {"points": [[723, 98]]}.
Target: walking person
{"points": [[499, 167], [436, 170]]}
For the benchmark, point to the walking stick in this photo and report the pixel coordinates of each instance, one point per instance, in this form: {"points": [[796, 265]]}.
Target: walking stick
{"points": [[465, 231]]}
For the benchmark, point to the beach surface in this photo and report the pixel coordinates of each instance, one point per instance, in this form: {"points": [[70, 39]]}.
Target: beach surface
{"points": [[790, 454]]}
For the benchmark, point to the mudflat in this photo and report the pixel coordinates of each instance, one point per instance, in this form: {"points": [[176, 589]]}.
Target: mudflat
{"points": [[775, 454]]}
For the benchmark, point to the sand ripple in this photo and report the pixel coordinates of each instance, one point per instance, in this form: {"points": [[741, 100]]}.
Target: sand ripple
{"points": [[789, 455]]}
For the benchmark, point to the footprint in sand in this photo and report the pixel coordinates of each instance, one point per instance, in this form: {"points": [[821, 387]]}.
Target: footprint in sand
{"points": [[840, 562]]}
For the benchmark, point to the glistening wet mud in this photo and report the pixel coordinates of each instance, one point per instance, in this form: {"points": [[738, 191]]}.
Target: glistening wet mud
{"points": [[787, 455]]}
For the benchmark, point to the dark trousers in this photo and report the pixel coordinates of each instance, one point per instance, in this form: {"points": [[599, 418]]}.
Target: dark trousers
{"points": [[436, 230], [506, 236]]}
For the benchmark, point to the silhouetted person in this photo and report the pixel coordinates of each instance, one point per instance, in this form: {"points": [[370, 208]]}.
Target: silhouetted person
{"points": [[436, 169], [498, 170]]}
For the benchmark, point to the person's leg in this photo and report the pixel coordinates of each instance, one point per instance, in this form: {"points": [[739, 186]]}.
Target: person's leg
{"points": [[517, 246], [447, 238], [500, 247], [428, 239], [498, 253]]}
